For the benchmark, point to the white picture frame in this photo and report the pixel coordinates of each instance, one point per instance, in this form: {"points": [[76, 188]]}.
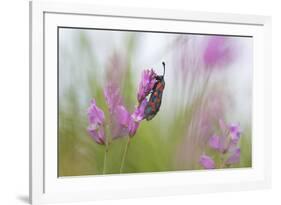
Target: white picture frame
{"points": [[45, 186]]}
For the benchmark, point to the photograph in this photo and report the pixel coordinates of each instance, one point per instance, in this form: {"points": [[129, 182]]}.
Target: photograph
{"points": [[139, 101]]}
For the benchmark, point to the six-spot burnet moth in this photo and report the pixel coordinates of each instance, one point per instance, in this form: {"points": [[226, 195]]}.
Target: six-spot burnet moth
{"points": [[155, 98]]}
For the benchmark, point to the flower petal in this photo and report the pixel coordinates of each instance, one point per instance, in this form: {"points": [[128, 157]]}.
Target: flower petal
{"points": [[235, 133], [133, 126], [138, 115], [112, 97], [234, 157], [215, 142], [96, 121], [146, 84], [95, 114], [219, 51], [120, 122], [97, 134], [122, 115], [207, 162]]}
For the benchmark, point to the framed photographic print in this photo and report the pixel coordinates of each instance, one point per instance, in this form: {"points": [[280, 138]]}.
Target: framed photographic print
{"points": [[130, 102]]}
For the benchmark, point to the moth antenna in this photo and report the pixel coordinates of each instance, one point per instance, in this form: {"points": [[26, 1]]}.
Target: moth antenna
{"points": [[163, 63]]}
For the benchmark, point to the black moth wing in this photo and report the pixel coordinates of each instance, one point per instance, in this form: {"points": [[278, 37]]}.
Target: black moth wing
{"points": [[155, 99]]}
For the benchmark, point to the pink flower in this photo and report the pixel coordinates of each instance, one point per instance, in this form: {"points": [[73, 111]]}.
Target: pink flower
{"points": [[127, 125], [146, 84], [122, 122], [215, 142], [133, 126], [116, 68], [207, 162], [137, 117], [226, 145], [97, 133], [96, 122], [138, 114], [218, 51], [235, 132], [112, 97], [218, 143], [118, 112], [234, 158]]}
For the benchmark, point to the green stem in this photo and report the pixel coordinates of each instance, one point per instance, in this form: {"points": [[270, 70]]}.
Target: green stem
{"points": [[105, 159], [124, 155], [105, 155]]}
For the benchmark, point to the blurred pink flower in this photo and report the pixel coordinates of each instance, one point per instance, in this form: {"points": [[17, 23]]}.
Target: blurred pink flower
{"points": [[213, 110], [227, 144], [215, 142], [200, 128], [96, 122], [235, 132], [234, 158], [207, 162], [223, 126], [146, 84], [122, 122], [112, 97], [219, 143], [115, 69], [118, 113], [229, 139], [219, 51]]}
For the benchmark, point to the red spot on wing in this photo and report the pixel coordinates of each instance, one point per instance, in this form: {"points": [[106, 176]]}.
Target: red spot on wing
{"points": [[160, 87], [152, 105]]}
